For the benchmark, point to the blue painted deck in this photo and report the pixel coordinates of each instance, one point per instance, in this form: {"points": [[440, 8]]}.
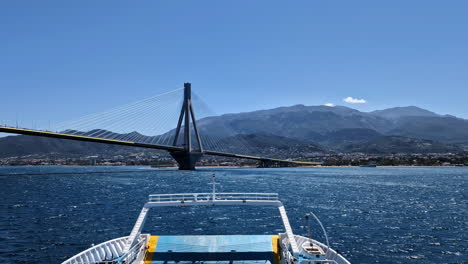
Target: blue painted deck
{"points": [[220, 249]]}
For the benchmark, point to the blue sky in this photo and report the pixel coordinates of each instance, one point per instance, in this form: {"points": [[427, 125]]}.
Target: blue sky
{"points": [[63, 59]]}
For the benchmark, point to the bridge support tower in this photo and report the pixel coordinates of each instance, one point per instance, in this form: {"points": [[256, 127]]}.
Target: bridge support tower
{"points": [[187, 158]]}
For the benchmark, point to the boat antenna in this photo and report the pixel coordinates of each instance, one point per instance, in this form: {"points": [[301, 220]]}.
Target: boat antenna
{"points": [[324, 232], [213, 182]]}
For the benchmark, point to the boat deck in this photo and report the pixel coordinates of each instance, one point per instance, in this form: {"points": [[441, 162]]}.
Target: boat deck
{"points": [[237, 249]]}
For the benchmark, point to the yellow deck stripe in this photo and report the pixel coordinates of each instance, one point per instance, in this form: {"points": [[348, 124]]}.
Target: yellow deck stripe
{"points": [[153, 242], [276, 249]]}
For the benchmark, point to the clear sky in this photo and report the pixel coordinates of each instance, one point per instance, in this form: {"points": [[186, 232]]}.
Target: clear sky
{"points": [[60, 60]]}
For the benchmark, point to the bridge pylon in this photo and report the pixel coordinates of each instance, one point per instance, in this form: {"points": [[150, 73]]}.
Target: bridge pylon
{"points": [[187, 158]]}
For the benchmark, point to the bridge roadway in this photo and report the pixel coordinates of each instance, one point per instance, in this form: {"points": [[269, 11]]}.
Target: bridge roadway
{"points": [[41, 133]]}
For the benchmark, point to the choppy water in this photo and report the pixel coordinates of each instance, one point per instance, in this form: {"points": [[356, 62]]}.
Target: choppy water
{"points": [[373, 215]]}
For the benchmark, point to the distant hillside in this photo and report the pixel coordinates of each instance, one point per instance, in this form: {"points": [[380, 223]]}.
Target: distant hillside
{"points": [[291, 131], [441, 128], [267, 145], [339, 124], [13, 146], [400, 112], [342, 137], [297, 121], [394, 144], [271, 146]]}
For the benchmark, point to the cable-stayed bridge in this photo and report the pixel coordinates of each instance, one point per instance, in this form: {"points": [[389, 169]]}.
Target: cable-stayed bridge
{"points": [[151, 123]]}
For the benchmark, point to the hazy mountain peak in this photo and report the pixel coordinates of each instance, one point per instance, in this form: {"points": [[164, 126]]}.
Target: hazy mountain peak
{"points": [[399, 112]]}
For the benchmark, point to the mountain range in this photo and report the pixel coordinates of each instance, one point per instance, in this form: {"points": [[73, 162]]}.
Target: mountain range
{"points": [[301, 128], [322, 124]]}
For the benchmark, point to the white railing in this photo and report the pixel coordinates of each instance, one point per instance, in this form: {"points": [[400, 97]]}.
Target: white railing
{"points": [[136, 230], [199, 197], [136, 253], [289, 233], [286, 256], [110, 252]]}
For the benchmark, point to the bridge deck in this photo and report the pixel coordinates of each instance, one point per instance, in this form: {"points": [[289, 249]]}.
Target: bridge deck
{"points": [[40, 133], [213, 249]]}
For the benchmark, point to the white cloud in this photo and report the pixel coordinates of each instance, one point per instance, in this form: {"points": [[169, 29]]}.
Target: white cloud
{"points": [[329, 105], [352, 100]]}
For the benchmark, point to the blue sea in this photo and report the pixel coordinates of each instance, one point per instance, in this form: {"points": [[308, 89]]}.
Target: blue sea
{"points": [[372, 215]]}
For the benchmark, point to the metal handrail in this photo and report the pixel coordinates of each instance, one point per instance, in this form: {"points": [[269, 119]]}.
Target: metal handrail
{"points": [[168, 194], [323, 229], [209, 196], [133, 253], [99, 253]]}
